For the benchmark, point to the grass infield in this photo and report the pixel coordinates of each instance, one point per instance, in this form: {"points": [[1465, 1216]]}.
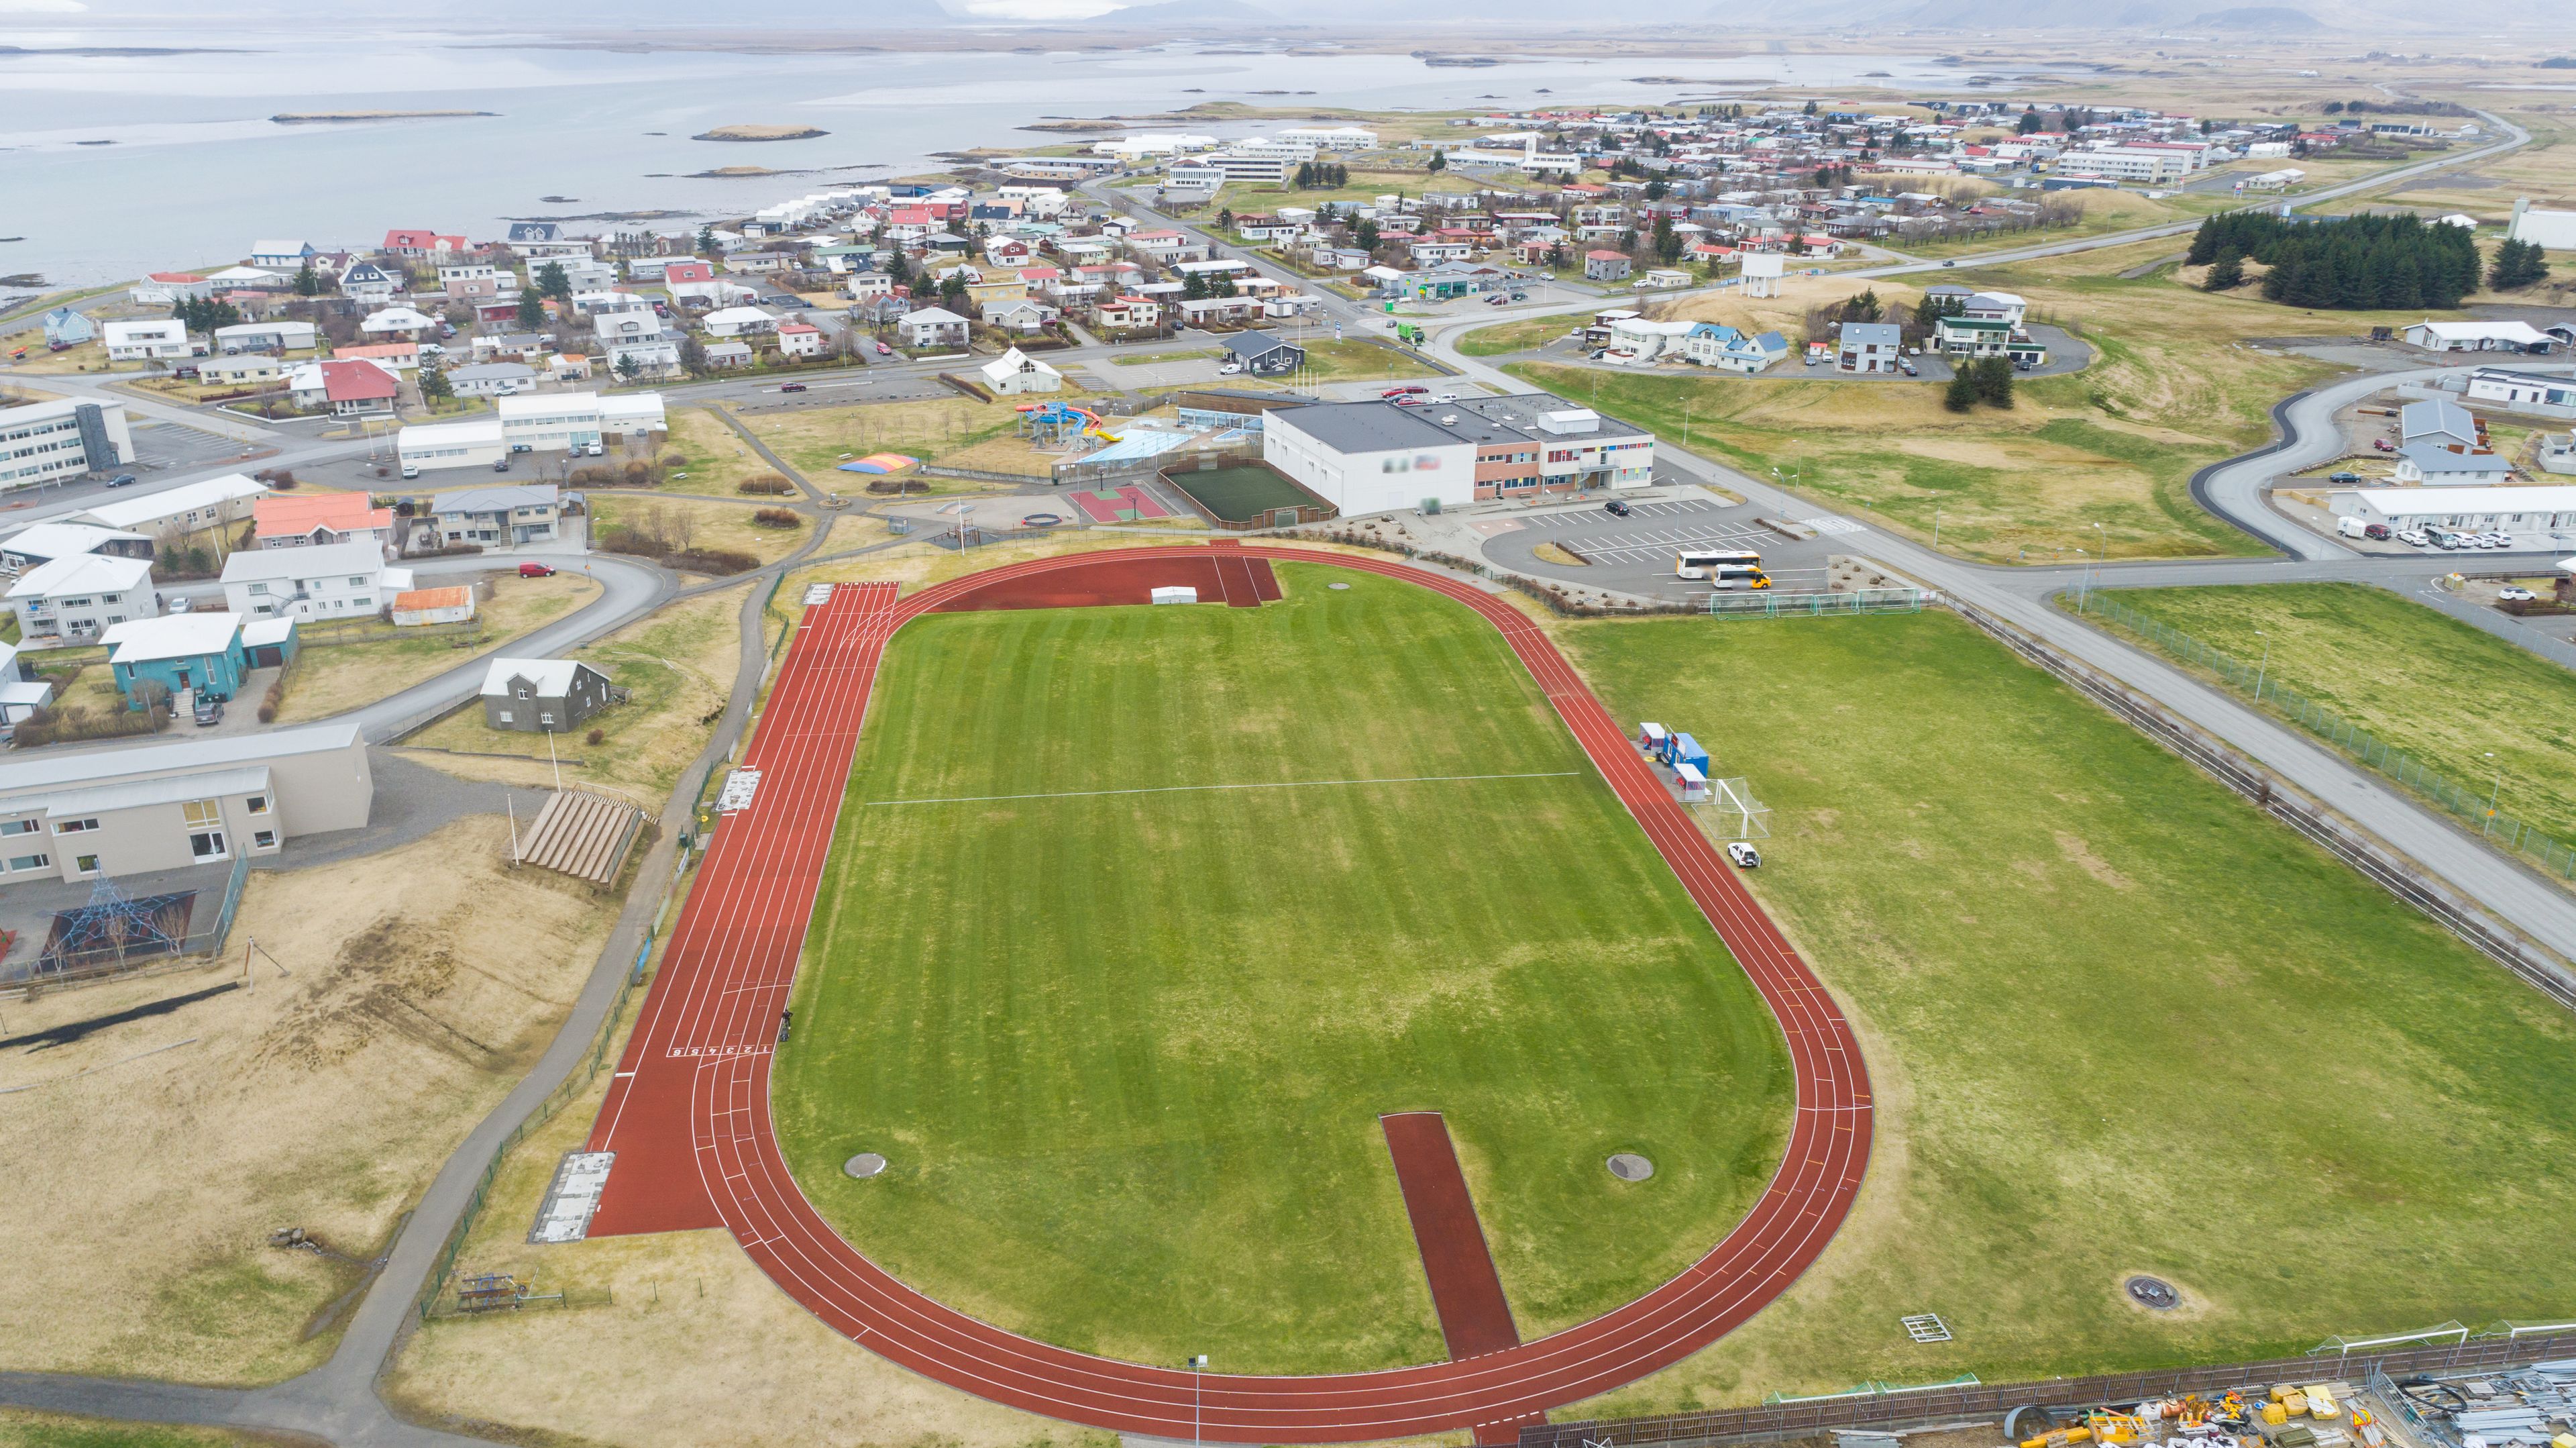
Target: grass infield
{"points": [[1127, 1052], [2117, 1022]]}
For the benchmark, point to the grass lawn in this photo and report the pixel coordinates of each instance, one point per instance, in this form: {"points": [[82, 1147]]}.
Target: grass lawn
{"points": [[1357, 359], [1138, 359], [818, 440], [2421, 681], [1522, 335], [1128, 1052], [710, 525], [718, 459], [2116, 1022], [677, 665], [21, 1429], [331, 678]]}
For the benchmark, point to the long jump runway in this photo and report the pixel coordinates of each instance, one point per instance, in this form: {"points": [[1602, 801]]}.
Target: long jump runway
{"points": [[688, 1112]]}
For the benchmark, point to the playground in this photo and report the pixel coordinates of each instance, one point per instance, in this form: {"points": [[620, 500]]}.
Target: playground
{"points": [[1126, 503]]}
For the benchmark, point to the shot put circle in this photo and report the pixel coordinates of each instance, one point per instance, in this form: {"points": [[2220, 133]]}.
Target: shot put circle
{"points": [[2152, 1292], [865, 1165], [1627, 1166], [1338, 587]]}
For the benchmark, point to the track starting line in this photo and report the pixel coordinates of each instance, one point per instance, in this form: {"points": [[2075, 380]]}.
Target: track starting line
{"points": [[1194, 788]]}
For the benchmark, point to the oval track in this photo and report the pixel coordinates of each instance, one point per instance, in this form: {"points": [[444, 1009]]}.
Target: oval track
{"points": [[732, 959]]}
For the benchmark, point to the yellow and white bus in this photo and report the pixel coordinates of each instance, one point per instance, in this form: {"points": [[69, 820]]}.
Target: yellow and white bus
{"points": [[1718, 563]]}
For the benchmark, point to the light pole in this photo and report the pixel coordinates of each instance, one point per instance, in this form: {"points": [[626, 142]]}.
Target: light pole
{"points": [[1198, 1365], [2493, 791], [2264, 667], [1936, 530]]}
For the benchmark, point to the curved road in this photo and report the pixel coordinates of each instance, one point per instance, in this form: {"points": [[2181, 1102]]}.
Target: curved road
{"points": [[713, 1018]]}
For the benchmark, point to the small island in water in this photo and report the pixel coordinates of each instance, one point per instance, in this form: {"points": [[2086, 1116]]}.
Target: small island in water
{"points": [[760, 133]]}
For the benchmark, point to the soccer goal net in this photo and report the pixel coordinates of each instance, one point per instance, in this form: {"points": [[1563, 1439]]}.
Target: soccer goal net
{"points": [[1738, 814]]}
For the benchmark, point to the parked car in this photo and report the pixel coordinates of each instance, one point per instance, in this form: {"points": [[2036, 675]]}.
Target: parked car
{"points": [[2414, 537], [411, 470], [1407, 390], [2377, 532], [1444, 397], [596, 449], [884, 351], [2514, 593], [121, 480], [1520, 296], [501, 464], [1617, 508], [210, 711], [2343, 477], [536, 570], [1745, 856], [1496, 301], [2383, 444]]}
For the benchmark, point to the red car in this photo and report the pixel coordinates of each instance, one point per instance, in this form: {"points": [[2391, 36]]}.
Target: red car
{"points": [[1395, 393], [884, 351], [536, 570], [791, 386]]}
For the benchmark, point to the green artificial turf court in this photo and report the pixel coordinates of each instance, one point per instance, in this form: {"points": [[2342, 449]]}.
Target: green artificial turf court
{"points": [[2117, 1021], [1127, 1051]]}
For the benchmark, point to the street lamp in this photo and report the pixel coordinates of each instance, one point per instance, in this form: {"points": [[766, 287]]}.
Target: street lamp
{"points": [[2493, 791], [1198, 1365], [2263, 667]]}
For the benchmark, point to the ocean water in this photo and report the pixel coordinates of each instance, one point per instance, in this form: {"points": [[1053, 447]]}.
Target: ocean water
{"points": [[195, 172]]}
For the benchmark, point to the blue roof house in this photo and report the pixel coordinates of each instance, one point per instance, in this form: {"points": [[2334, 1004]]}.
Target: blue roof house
{"points": [[67, 328]]}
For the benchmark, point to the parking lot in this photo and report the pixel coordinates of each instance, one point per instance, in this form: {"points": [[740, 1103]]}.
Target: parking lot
{"points": [[1635, 554], [163, 446]]}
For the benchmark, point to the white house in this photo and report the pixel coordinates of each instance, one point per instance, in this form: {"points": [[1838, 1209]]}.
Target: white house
{"points": [[404, 323], [1015, 372], [739, 322], [492, 379], [2523, 391], [331, 580], [931, 327], [367, 282], [542, 422], [277, 336], [2440, 467], [146, 341], [2435, 336], [2486, 510], [800, 339], [81, 596], [211, 503], [283, 256]]}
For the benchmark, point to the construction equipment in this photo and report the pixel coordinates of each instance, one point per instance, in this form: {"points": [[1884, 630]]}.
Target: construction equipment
{"points": [[2321, 1402], [2115, 1428], [2059, 1437]]}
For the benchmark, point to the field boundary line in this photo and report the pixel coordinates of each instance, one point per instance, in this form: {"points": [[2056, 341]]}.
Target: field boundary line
{"points": [[1196, 788]]}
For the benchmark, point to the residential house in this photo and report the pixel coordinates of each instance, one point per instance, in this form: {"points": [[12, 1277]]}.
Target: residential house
{"points": [[420, 245], [143, 807], [723, 355], [800, 339], [1127, 313], [1605, 266], [1710, 344], [165, 289], [1022, 316], [146, 341], [348, 389], [632, 327], [320, 520], [2523, 391], [59, 438], [394, 357], [739, 322], [1976, 337], [1869, 347], [81, 595], [248, 371], [868, 286], [212, 504], [931, 327], [499, 517], [1264, 354], [2440, 467], [407, 324], [511, 347], [475, 281], [179, 655], [369, 283], [491, 379], [1015, 372], [645, 361], [271, 336], [65, 329], [2435, 336], [45, 542], [328, 580], [2439, 422], [543, 695], [283, 256]]}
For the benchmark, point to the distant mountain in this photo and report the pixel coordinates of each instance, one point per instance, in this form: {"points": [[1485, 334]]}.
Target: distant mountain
{"points": [[1190, 12], [2268, 19]]}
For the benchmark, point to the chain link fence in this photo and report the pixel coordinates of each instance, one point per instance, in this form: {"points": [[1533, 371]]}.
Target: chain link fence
{"points": [[2257, 682]]}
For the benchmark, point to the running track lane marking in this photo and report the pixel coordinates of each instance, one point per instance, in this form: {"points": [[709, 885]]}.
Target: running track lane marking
{"points": [[744, 924]]}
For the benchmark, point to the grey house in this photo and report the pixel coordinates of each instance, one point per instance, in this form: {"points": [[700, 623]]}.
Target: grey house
{"points": [[544, 695]]}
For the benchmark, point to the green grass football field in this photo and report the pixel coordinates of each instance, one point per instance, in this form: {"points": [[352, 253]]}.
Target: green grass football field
{"points": [[2117, 1022], [1127, 1051]]}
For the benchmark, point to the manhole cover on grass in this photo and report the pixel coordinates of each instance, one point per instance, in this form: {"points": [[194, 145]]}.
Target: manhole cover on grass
{"points": [[2153, 1292], [1627, 1166], [865, 1165], [1337, 586]]}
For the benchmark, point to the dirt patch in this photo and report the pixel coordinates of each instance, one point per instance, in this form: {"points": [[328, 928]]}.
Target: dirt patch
{"points": [[1560, 555], [394, 1001], [2081, 856]]}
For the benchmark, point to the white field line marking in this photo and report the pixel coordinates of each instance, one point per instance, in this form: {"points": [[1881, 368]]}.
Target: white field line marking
{"points": [[1190, 788]]}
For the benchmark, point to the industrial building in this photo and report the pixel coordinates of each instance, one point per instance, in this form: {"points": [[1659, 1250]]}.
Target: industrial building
{"points": [[1369, 457], [50, 442]]}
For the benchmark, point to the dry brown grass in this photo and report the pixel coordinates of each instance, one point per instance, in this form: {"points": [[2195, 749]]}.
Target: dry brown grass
{"points": [[724, 526], [1787, 312], [718, 459], [678, 664], [333, 678], [423, 981]]}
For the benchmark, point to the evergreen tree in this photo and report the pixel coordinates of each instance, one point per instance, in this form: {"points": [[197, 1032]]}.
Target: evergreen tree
{"points": [[627, 368], [1993, 382], [1439, 160], [1962, 391], [2517, 264], [1668, 243], [434, 386], [1193, 286], [1863, 308], [2227, 273], [554, 282], [2029, 121], [1225, 218], [532, 310], [308, 282]]}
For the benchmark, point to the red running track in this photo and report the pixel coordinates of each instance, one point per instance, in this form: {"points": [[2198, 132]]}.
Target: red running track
{"points": [[710, 1024]]}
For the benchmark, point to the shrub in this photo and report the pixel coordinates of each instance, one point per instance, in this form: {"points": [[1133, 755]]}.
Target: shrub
{"points": [[675, 460], [711, 560], [639, 474], [775, 518], [595, 737], [591, 475], [276, 477], [767, 485]]}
